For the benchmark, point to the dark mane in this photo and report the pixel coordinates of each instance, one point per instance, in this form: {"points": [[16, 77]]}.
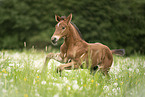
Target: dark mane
{"points": [[64, 17], [77, 29]]}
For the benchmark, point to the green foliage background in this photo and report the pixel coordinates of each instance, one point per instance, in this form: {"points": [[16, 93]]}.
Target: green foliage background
{"points": [[115, 23]]}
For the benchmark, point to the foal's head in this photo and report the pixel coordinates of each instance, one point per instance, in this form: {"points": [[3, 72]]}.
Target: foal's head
{"points": [[61, 29]]}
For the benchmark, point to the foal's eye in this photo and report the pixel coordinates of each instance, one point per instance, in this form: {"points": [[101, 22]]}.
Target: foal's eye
{"points": [[63, 27]]}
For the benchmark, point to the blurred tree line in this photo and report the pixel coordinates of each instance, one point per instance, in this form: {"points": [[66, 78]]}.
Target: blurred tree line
{"points": [[115, 23]]}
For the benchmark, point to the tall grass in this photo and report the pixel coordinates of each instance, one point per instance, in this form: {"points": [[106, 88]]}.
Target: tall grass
{"points": [[21, 76]]}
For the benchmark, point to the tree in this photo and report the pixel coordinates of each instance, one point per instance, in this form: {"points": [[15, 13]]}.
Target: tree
{"points": [[115, 23]]}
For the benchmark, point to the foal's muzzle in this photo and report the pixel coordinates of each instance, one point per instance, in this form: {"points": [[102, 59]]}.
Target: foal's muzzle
{"points": [[54, 40]]}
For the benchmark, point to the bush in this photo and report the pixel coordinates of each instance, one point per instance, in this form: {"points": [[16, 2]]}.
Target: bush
{"points": [[116, 23]]}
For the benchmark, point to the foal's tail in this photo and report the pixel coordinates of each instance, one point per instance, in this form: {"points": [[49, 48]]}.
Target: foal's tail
{"points": [[119, 52]]}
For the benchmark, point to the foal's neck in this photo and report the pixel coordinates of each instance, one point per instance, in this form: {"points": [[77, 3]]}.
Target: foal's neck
{"points": [[73, 36]]}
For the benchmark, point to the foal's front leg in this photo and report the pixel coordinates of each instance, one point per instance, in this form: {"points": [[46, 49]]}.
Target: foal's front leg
{"points": [[68, 66], [55, 56]]}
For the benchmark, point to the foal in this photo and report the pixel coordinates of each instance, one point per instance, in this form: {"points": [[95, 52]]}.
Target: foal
{"points": [[75, 50]]}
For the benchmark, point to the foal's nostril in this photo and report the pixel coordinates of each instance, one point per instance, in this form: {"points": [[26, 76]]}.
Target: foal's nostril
{"points": [[54, 40]]}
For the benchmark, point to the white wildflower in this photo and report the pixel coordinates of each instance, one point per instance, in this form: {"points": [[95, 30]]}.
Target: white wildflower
{"points": [[57, 84], [115, 84], [11, 64], [11, 80], [68, 88], [22, 66], [9, 69], [18, 65], [2, 65], [38, 71], [144, 64], [130, 93], [66, 74], [43, 82], [34, 82], [66, 80], [130, 69], [36, 94], [12, 86], [56, 95], [81, 88], [114, 91], [118, 88], [106, 88], [75, 82], [137, 70], [4, 90], [1, 83], [5, 75], [75, 86], [110, 94]]}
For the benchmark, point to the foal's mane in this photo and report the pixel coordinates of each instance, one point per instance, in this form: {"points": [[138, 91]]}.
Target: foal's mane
{"points": [[64, 17], [77, 29]]}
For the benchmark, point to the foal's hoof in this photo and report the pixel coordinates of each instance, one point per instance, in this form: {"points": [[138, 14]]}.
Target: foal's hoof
{"points": [[59, 69]]}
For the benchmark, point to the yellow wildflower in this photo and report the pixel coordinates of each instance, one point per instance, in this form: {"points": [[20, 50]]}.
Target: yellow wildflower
{"points": [[25, 79], [16, 91], [121, 83], [4, 70], [92, 80], [67, 86], [37, 76], [25, 95], [84, 85], [96, 85], [136, 83]]}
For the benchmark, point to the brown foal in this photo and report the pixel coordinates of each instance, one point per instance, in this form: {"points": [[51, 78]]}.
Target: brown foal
{"points": [[74, 51]]}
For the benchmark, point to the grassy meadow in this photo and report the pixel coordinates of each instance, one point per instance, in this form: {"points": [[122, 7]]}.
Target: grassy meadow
{"points": [[21, 76]]}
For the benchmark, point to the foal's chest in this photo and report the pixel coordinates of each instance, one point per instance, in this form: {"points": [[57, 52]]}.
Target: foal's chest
{"points": [[74, 52]]}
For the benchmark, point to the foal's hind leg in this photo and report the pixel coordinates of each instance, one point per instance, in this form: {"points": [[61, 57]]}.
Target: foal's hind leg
{"points": [[105, 67], [93, 70], [104, 71], [55, 56]]}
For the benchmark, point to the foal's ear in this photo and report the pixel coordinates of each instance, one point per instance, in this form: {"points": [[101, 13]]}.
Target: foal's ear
{"points": [[57, 18], [68, 19]]}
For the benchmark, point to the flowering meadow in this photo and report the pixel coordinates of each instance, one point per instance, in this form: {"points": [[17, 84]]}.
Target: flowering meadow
{"points": [[21, 75]]}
